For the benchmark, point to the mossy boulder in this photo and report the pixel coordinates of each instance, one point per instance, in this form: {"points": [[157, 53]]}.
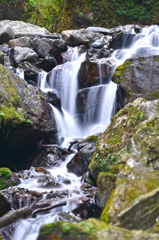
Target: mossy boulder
{"points": [[139, 77], [69, 231], [132, 203], [7, 178], [25, 116], [113, 143]]}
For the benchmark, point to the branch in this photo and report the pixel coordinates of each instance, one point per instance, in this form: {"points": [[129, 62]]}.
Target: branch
{"points": [[54, 145], [33, 215]]}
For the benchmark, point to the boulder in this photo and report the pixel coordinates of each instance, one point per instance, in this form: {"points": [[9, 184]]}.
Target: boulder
{"points": [[1, 58], [21, 42], [44, 46], [6, 34], [4, 205], [30, 72], [88, 150], [48, 63], [139, 77], [133, 203], [25, 116], [83, 37], [106, 183], [116, 139], [77, 165], [7, 178], [94, 71], [52, 98], [18, 55], [103, 52]]}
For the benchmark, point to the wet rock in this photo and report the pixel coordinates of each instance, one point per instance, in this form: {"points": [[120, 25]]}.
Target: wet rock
{"points": [[139, 77], [97, 44], [41, 170], [134, 183], [99, 53], [44, 46], [95, 71], [52, 98], [69, 217], [7, 232], [1, 58], [18, 55], [6, 34], [7, 178], [4, 205], [115, 141], [49, 160], [88, 151], [25, 115], [31, 72], [48, 63], [83, 37], [4, 48], [106, 183], [21, 42], [77, 165], [112, 31]]}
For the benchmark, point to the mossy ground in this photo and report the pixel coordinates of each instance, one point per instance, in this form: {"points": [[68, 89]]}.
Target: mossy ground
{"points": [[113, 143]]}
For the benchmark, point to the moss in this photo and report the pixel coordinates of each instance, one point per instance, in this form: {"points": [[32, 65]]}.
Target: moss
{"points": [[119, 71], [5, 178], [92, 138], [5, 172], [113, 143], [41, 94]]}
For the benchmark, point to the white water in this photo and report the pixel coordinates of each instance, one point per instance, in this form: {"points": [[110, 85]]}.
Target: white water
{"points": [[64, 79]]}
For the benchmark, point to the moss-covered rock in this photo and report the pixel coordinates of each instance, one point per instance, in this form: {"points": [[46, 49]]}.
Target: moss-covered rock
{"points": [[113, 143], [133, 181], [24, 116], [7, 178], [139, 77], [69, 231]]}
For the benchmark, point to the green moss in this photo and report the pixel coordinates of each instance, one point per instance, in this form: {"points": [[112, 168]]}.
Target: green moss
{"points": [[41, 94], [5, 172], [92, 138], [113, 143]]}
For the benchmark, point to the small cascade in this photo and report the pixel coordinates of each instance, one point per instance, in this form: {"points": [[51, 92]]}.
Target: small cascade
{"points": [[42, 84], [20, 72]]}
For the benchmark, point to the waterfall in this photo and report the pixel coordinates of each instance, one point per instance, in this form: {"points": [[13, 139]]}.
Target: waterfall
{"points": [[97, 116]]}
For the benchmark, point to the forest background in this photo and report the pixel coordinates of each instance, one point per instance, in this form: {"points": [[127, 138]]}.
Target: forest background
{"points": [[59, 15]]}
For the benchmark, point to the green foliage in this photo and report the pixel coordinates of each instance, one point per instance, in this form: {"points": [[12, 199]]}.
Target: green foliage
{"points": [[5, 172], [41, 94], [45, 13]]}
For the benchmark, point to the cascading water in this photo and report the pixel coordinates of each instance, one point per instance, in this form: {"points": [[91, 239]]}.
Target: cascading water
{"points": [[64, 79]]}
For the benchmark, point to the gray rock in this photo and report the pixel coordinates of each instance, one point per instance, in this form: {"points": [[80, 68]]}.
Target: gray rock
{"points": [[112, 31], [30, 72], [6, 34], [43, 46], [4, 205], [48, 63], [19, 55], [139, 77], [88, 151], [21, 42], [97, 44]]}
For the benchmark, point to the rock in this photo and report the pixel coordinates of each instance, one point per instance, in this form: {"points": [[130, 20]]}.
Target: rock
{"points": [[7, 178], [112, 31], [25, 114], [115, 141], [44, 46], [25, 28], [91, 68], [4, 205], [69, 231], [52, 98], [1, 58], [78, 165], [30, 72], [83, 103], [113, 233], [21, 42], [97, 44], [83, 37], [139, 77], [49, 160], [106, 183], [99, 53], [132, 198], [88, 151], [18, 55], [48, 63], [68, 56], [7, 232], [6, 34]]}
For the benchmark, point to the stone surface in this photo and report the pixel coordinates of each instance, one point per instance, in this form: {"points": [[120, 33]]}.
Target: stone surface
{"points": [[4, 205], [6, 34], [44, 46], [83, 37], [139, 76], [88, 150], [95, 71], [52, 98], [48, 63], [116, 139], [19, 55], [1, 58], [78, 164], [30, 72], [25, 116], [21, 42]]}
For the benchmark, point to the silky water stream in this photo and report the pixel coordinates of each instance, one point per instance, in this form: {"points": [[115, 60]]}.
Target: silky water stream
{"points": [[64, 80]]}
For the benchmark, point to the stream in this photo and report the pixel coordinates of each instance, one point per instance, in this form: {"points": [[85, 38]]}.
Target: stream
{"points": [[64, 81]]}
